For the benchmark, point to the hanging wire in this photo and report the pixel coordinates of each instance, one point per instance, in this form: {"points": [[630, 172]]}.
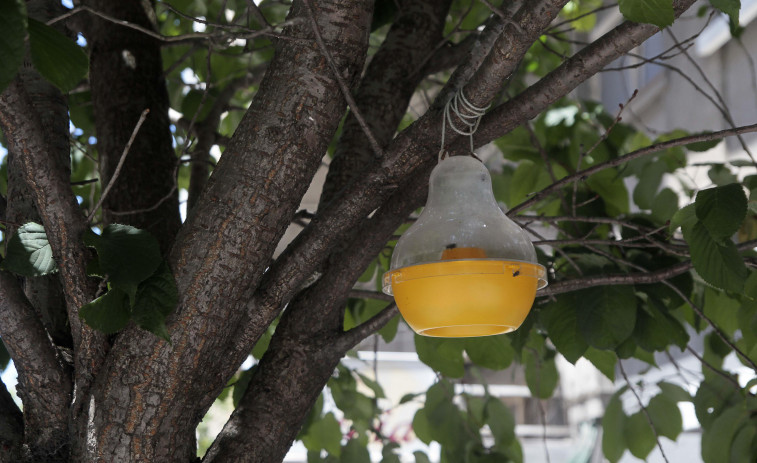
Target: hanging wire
{"points": [[468, 114]]}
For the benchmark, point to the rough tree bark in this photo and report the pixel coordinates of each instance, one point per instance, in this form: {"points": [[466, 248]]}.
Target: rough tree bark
{"points": [[222, 250], [126, 76], [141, 406]]}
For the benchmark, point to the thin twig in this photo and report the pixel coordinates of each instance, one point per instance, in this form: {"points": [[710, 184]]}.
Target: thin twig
{"points": [[644, 410], [712, 367], [712, 324], [117, 172], [350, 338], [366, 294], [342, 84], [629, 157], [175, 39]]}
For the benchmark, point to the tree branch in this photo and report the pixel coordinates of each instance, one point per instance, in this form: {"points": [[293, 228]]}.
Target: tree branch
{"points": [[566, 77], [576, 284], [226, 244], [342, 84], [404, 159], [63, 222], [11, 426], [120, 164], [44, 384], [657, 147], [644, 410], [351, 338]]}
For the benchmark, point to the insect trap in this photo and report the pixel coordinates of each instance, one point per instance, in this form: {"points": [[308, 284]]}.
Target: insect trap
{"points": [[463, 268]]}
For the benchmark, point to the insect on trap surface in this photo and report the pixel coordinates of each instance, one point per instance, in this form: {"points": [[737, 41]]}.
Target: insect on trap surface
{"points": [[463, 268]]}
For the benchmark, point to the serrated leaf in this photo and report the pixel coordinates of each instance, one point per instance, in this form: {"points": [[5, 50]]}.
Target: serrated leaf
{"points": [[657, 12], [493, 352], [127, 255], [56, 57], [156, 298], [12, 49], [613, 430], [443, 355], [685, 217], [721, 209], [639, 435], [729, 7], [607, 315], [561, 322], [108, 313], [29, 253], [718, 263]]}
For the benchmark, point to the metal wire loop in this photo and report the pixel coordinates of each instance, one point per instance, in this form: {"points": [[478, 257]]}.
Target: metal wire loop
{"points": [[467, 114]]}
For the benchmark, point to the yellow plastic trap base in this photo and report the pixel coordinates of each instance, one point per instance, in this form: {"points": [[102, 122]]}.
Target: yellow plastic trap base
{"points": [[463, 298]]}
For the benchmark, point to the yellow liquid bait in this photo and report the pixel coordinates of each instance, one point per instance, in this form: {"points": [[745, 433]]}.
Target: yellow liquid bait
{"points": [[462, 298]]}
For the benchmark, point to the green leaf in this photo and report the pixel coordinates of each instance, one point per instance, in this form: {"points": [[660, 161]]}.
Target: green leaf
{"points": [[443, 355], [729, 7], [674, 392], [127, 255], [718, 263], [108, 313], [742, 448], [722, 309], [685, 217], [378, 391], [493, 352], [240, 386], [702, 146], [12, 49], [666, 416], [665, 205], [422, 427], [388, 454], [5, 357], [560, 318], [716, 442], [324, 434], [639, 435], [541, 374], [607, 315], [156, 298], [58, 58], [29, 253], [649, 182], [722, 210], [501, 421], [613, 429], [604, 360], [657, 12], [611, 189], [421, 457]]}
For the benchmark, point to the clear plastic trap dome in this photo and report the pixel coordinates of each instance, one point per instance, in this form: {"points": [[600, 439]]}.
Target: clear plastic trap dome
{"points": [[463, 268]]}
